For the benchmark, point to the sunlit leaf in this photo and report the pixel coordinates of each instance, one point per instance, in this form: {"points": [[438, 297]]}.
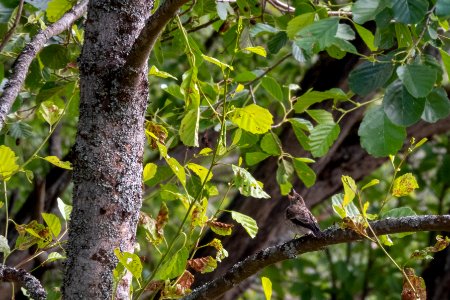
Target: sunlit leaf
{"points": [[349, 189], [50, 112], [53, 223], [247, 222], [4, 246], [149, 171], [267, 287], [247, 184], [220, 228], [200, 171], [64, 209], [404, 185], [257, 50], [154, 71], [252, 118], [57, 162], [177, 169], [130, 261], [8, 164]]}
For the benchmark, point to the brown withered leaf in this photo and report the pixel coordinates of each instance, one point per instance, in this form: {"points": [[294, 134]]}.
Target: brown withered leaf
{"points": [[203, 264], [155, 285], [415, 292], [157, 130], [186, 280], [162, 218], [220, 228], [358, 227]]}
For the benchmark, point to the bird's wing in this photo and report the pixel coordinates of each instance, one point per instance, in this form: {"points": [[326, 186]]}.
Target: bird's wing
{"points": [[305, 219]]}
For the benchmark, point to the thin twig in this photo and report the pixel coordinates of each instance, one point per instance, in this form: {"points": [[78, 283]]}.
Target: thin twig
{"points": [[10, 32]]}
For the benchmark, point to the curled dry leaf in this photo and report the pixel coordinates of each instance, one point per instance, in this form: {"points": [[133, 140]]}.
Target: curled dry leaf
{"points": [[203, 264], [415, 292], [220, 228]]}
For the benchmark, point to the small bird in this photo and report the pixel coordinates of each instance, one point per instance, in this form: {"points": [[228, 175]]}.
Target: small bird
{"points": [[300, 218]]}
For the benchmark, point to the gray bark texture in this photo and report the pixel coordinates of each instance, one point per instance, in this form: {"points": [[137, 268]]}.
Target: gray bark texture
{"points": [[108, 151]]}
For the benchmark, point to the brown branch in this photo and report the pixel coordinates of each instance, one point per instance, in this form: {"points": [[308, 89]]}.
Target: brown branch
{"points": [[10, 32], [143, 45], [289, 250], [23, 61], [25, 279]]}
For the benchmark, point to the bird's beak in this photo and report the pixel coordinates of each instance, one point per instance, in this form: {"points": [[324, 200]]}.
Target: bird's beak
{"points": [[292, 195]]}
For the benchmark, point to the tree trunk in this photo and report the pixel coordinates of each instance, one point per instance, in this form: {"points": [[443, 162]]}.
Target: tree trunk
{"points": [[108, 151]]}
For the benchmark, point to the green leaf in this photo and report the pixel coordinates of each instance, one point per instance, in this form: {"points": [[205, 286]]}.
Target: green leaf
{"points": [[398, 212], [50, 112], [189, 89], [252, 158], [54, 256], [284, 176], [200, 171], [320, 34], [299, 22], [370, 183], [277, 42], [247, 222], [446, 60], [217, 62], [177, 169], [403, 35], [272, 87], [189, 127], [261, 28], [386, 240], [64, 209], [366, 10], [409, 11], [400, 106], [443, 9], [368, 76], [4, 246], [267, 287], [311, 97], [56, 9], [154, 71], [367, 36], [8, 164], [404, 185], [418, 79], [252, 118], [130, 261], [379, 136], [322, 137], [55, 56], [304, 172], [149, 171], [349, 189], [19, 130], [54, 160], [321, 116], [257, 50], [301, 126], [53, 223], [337, 205], [248, 186], [270, 144], [437, 106], [174, 265]]}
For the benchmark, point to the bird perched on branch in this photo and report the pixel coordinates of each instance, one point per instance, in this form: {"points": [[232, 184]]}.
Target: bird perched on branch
{"points": [[300, 218]]}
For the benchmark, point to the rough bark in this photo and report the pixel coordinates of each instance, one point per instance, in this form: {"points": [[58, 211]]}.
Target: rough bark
{"points": [[289, 250], [108, 151], [24, 279]]}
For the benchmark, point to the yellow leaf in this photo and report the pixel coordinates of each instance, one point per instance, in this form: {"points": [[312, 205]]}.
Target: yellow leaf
{"points": [[257, 50], [55, 161], [404, 185], [200, 171], [349, 189], [149, 171], [8, 164]]}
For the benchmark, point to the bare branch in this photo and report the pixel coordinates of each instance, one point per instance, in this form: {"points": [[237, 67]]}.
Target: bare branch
{"points": [[143, 45], [289, 250], [24, 279], [23, 61]]}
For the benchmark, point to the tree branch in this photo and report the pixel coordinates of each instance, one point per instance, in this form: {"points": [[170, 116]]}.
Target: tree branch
{"points": [[143, 45], [25, 279], [289, 250], [23, 61]]}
